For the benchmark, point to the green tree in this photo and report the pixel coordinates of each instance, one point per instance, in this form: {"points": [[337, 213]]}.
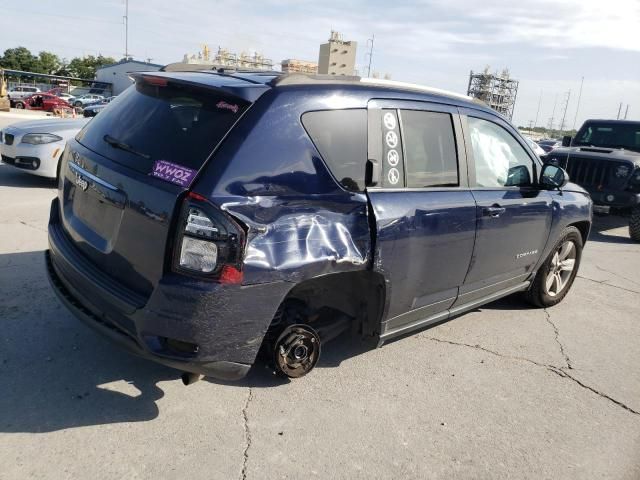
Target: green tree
{"points": [[48, 63], [19, 58], [85, 67]]}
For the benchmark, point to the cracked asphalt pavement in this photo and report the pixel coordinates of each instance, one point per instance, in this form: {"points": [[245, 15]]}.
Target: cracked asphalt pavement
{"points": [[506, 391]]}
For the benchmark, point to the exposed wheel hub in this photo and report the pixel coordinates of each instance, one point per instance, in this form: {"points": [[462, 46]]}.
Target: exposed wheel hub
{"points": [[297, 350]]}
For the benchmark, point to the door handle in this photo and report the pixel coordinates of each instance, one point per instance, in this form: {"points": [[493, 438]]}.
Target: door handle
{"points": [[493, 211]]}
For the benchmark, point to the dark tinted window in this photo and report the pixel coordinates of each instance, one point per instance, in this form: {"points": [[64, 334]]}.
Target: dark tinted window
{"points": [[176, 123], [341, 138], [430, 149], [614, 135]]}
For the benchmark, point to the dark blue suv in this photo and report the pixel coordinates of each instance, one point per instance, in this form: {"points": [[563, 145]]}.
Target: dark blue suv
{"points": [[204, 218]]}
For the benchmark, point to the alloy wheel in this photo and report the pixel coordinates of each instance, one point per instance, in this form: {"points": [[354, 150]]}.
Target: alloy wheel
{"points": [[562, 265]]}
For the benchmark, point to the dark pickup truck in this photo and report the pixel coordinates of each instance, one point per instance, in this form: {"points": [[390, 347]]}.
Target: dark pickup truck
{"points": [[604, 159]]}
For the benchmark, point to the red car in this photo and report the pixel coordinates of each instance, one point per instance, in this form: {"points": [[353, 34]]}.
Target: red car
{"points": [[42, 101]]}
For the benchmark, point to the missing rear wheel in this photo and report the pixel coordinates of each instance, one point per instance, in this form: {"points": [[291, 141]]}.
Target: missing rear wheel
{"points": [[296, 351]]}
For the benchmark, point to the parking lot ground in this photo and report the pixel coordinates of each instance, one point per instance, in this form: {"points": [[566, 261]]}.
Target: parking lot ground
{"points": [[503, 392]]}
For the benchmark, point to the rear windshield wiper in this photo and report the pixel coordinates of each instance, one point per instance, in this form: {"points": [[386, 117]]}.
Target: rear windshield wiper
{"points": [[115, 143]]}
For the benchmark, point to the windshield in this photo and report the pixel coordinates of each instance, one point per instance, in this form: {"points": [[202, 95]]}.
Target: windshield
{"points": [[174, 123], [609, 135]]}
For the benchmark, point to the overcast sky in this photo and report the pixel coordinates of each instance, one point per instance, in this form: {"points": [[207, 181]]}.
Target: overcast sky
{"points": [[547, 45]]}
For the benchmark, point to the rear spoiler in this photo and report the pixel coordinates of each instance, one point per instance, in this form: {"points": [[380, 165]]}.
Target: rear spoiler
{"points": [[236, 87]]}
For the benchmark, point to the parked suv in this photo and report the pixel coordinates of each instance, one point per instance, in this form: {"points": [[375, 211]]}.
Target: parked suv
{"points": [[203, 218], [20, 92], [86, 100], [604, 158]]}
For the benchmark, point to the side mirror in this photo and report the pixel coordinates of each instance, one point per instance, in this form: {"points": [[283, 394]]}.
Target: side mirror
{"points": [[553, 176], [566, 141]]}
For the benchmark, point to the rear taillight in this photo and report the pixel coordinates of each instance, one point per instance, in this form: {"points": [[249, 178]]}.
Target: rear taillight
{"points": [[209, 242]]}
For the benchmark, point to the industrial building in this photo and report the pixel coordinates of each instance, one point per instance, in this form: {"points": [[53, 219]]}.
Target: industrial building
{"points": [[337, 56], [226, 59], [117, 74], [292, 65], [498, 90]]}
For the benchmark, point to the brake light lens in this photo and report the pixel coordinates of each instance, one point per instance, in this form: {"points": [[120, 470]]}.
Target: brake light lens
{"points": [[155, 81], [209, 242]]}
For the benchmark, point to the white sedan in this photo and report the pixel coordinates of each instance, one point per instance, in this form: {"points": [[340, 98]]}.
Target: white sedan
{"points": [[535, 147], [36, 146]]}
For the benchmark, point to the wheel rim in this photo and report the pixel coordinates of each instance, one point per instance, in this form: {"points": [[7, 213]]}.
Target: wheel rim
{"points": [[563, 263]]}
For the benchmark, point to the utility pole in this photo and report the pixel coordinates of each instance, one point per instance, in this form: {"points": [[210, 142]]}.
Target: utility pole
{"points": [[370, 53], [575, 119], [564, 115], [553, 114], [535, 124], [126, 29]]}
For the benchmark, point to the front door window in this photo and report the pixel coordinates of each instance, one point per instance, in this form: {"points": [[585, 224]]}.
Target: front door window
{"points": [[500, 161]]}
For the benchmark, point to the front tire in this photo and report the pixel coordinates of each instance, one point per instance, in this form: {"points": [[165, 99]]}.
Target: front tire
{"points": [[556, 275], [19, 105], [634, 224]]}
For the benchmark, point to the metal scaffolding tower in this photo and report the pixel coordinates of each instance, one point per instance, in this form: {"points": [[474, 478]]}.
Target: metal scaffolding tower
{"points": [[499, 91]]}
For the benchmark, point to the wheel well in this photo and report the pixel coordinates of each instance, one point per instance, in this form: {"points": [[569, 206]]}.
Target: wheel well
{"points": [[359, 295], [584, 228]]}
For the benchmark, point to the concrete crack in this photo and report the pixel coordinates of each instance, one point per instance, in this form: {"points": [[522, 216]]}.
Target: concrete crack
{"points": [[563, 373], [557, 334], [33, 226], [551, 368], [247, 434], [616, 274], [604, 282]]}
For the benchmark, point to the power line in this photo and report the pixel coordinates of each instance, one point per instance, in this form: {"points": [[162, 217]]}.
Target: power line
{"points": [[71, 17]]}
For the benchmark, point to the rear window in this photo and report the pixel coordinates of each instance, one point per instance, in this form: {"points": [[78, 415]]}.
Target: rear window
{"points": [[341, 138], [176, 123]]}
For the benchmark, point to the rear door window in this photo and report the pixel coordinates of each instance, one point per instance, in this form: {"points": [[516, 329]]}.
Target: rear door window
{"points": [[430, 149], [177, 123], [341, 138]]}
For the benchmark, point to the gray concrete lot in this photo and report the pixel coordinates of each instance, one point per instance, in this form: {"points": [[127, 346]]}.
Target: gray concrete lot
{"points": [[503, 392]]}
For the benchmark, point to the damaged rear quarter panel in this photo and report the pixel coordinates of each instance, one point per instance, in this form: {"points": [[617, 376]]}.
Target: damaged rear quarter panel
{"points": [[300, 223], [268, 174]]}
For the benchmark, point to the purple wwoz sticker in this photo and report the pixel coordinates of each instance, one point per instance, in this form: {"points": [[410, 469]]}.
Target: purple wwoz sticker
{"points": [[173, 173]]}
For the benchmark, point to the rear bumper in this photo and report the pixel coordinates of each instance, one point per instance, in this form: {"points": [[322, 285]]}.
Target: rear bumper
{"points": [[218, 369], [226, 323]]}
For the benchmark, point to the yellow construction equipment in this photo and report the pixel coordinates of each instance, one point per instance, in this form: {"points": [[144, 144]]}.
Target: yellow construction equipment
{"points": [[4, 98]]}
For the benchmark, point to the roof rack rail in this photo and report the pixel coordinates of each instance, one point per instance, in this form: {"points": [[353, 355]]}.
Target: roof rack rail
{"points": [[304, 78], [413, 86]]}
